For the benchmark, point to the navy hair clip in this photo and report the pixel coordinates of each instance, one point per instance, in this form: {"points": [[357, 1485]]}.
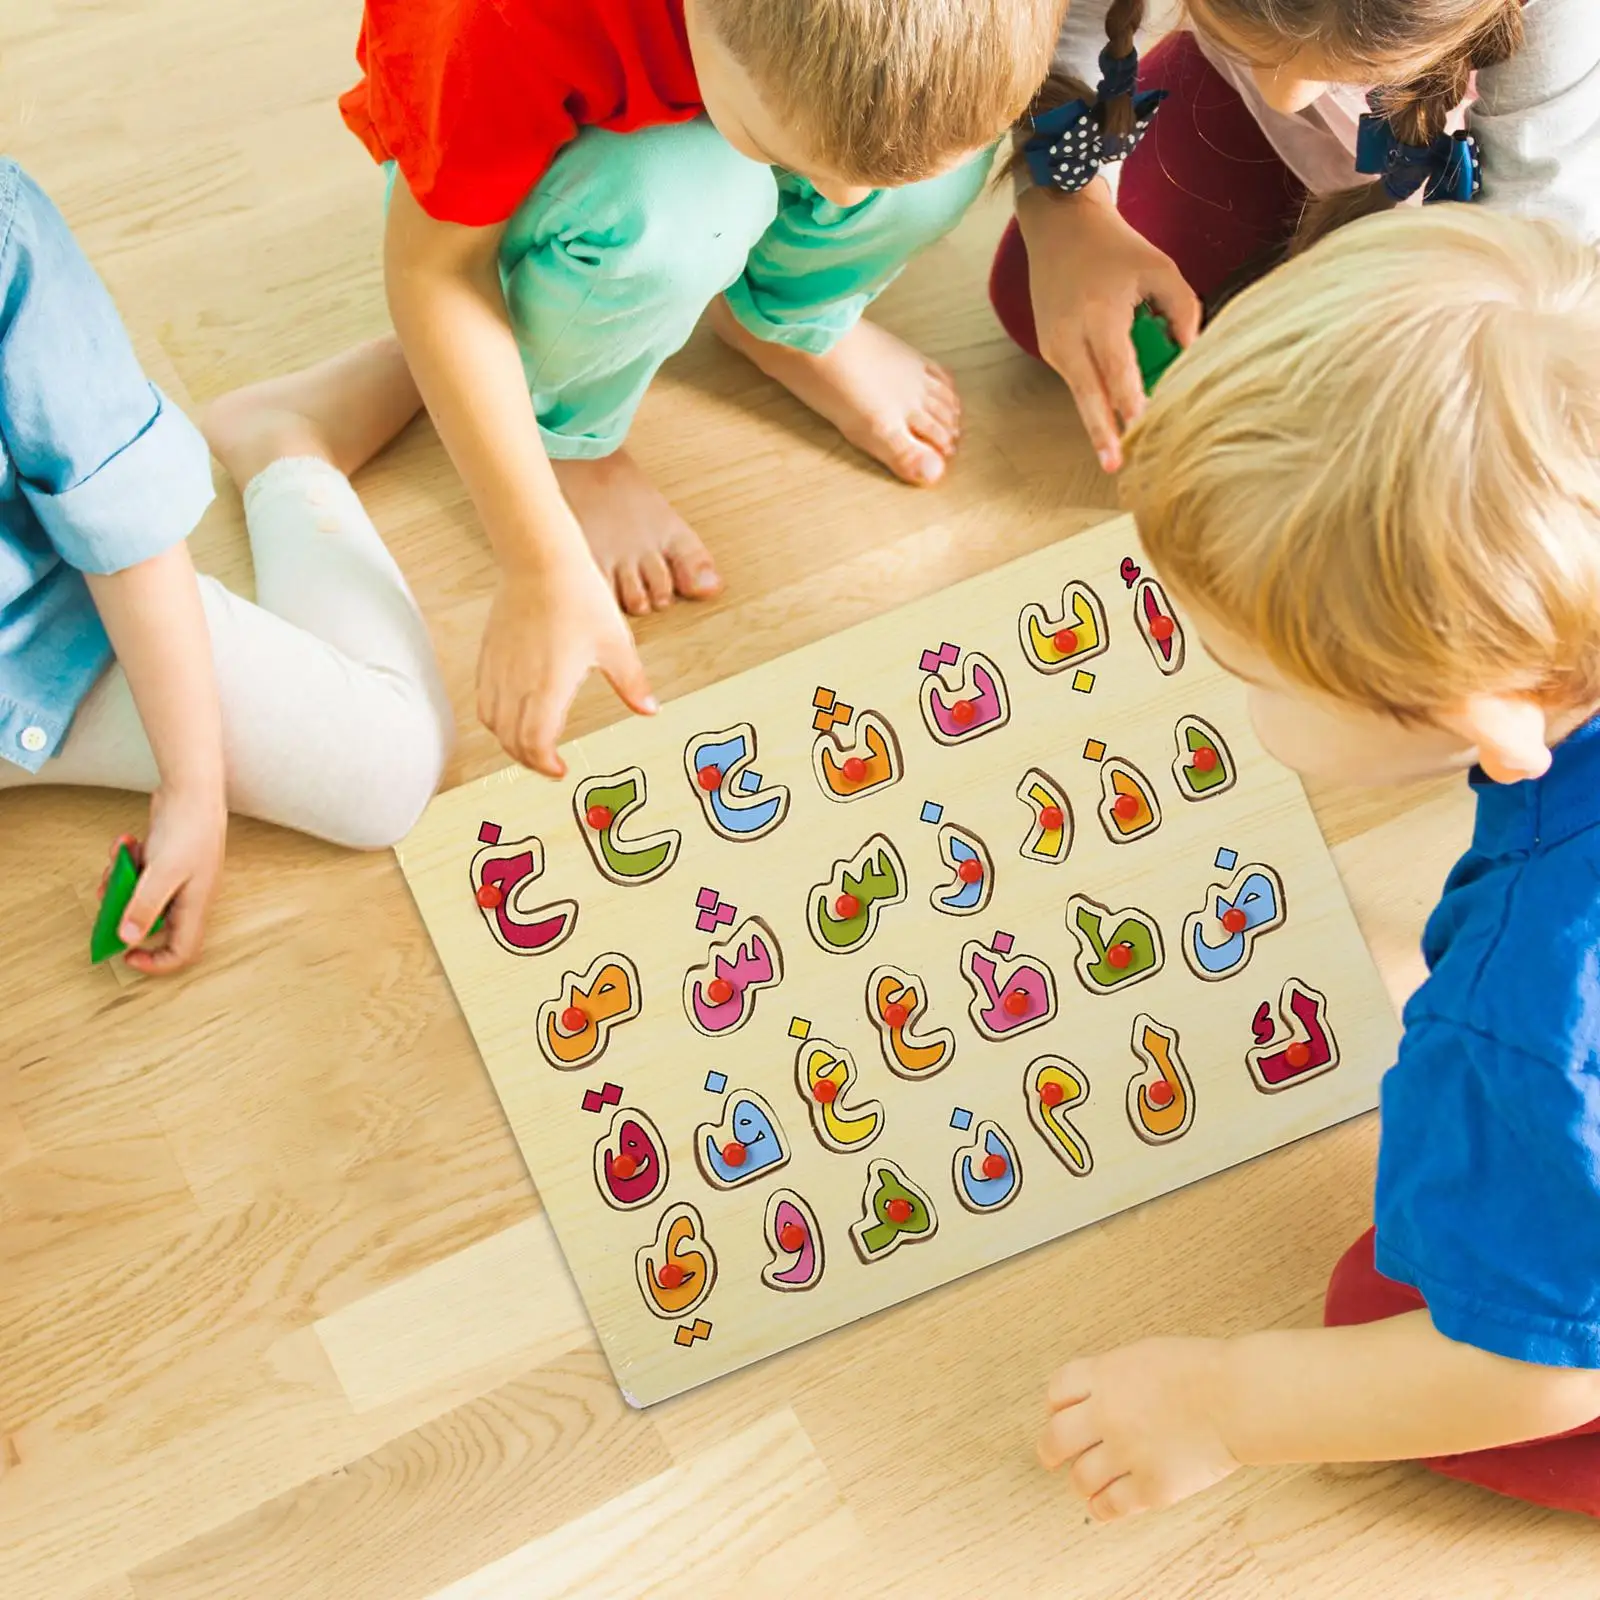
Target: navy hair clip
{"points": [[1448, 168], [1069, 144]]}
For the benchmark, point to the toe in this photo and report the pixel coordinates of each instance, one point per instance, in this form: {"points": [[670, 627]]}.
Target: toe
{"points": [[909, 458], [631, 591], [932, 430], [694, 573], [657, 579], [941, 383], [944, 407]]}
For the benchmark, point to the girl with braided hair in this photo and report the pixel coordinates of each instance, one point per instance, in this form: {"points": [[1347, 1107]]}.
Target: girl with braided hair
{"points": [[1278, 120]]}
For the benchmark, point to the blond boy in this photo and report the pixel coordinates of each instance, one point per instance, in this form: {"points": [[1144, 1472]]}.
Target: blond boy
{"points": [[578, 180], [1375, 486]]}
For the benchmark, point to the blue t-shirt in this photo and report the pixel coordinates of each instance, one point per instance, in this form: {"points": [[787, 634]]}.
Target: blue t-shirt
{"points": [[98, 471], [1489, 1163]]}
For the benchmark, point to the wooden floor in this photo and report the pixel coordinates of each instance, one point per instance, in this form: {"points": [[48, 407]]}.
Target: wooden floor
{"points": [[280, 1315]]}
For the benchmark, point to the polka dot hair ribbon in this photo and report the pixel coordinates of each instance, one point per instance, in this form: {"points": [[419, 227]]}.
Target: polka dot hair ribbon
{"points": [[1069, 144]]}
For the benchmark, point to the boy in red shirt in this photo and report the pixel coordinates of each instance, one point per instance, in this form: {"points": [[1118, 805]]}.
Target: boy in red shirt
{"points": [[579, 180]]}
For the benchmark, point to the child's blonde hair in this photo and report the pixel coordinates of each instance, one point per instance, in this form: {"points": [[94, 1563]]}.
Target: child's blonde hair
{"points": [[1381, 465], [887, 92]]}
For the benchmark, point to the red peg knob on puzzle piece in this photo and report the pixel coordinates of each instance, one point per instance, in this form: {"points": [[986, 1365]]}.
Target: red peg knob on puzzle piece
{"points": [[994, 1166], [1234, 920], [1051, 1094], [1053, 818], [598, 818], [896, 1015], [719, 991], [574, 1019], [490, 895], [854, 769], [625, 1167], [1066, 641], [1126, 806], [1016, 1003], [1205, 759], [670, 1275], [824, 1091], [846, 906], [970, 871], [709, 778], [963, 713], [1298, 1055], [734, 1153], [898, 1209], [1162, 628], [1120, 955], [791, 1236], [1159, 1093]]}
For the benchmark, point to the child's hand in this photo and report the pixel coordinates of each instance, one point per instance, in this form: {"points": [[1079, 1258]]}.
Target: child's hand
{"points": [[546, 631], [1089, 270], [1137, 1425], [180, 864]]}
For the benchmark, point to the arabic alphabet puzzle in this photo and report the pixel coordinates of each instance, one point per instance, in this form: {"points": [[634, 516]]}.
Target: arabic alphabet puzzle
{"points": [[884, 961]]}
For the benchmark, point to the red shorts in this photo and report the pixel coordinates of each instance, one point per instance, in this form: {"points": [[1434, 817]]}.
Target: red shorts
{"points": [[1562, 1472]]}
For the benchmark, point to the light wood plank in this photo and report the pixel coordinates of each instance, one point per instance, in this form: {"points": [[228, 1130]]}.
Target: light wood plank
{"points": [[756, 1514], [509, 1297], [434, 1505]]}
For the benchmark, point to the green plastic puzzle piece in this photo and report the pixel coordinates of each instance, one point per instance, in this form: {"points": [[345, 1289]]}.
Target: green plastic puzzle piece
{"points": [[105, 941], [1154, 346]]}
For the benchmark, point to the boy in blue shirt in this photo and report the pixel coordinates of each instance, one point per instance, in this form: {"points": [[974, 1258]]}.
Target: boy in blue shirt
{"points": [[319, 707], [1375, 487]]}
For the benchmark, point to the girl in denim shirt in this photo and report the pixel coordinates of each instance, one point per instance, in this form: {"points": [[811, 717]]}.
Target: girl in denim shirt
{"points": [[319, 708]]}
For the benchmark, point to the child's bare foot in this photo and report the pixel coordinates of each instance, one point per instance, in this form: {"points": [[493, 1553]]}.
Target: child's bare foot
{"points": [[885, 398], [641, 544], [344, 410]]}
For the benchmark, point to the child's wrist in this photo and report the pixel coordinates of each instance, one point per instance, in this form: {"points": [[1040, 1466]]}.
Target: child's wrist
{"points": [[1239, 1395], [1094, 195], [199, 784], [544, 549]]}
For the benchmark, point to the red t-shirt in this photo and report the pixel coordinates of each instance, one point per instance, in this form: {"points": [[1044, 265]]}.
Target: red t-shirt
{"points": [[473, 98]]}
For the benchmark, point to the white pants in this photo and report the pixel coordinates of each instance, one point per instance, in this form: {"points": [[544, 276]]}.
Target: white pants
{"points": [[334, 718]]}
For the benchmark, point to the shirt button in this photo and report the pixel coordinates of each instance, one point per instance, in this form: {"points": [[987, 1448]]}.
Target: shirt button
{"points": [[33, 740]]}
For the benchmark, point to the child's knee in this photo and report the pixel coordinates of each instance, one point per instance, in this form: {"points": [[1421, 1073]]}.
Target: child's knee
{"points": [[627, 223], [1358, 1292], [399, 772]]}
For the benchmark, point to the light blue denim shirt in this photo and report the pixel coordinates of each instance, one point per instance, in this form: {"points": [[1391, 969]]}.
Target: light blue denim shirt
{"points": [[98, 471]]}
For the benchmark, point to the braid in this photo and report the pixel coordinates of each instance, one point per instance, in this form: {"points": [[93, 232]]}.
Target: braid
{"points": [[1418, 112], [1124, 18], [1123, 21]]}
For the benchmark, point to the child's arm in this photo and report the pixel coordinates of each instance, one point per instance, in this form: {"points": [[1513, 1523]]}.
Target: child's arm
{"points": [[1153, 1422], [553, 617], [1089, 270], [1537, 117], [116, 478], [157, 626]]}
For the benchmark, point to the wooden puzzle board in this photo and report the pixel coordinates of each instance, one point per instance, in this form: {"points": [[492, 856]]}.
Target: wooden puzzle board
{"points": [[876, 1096]]}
